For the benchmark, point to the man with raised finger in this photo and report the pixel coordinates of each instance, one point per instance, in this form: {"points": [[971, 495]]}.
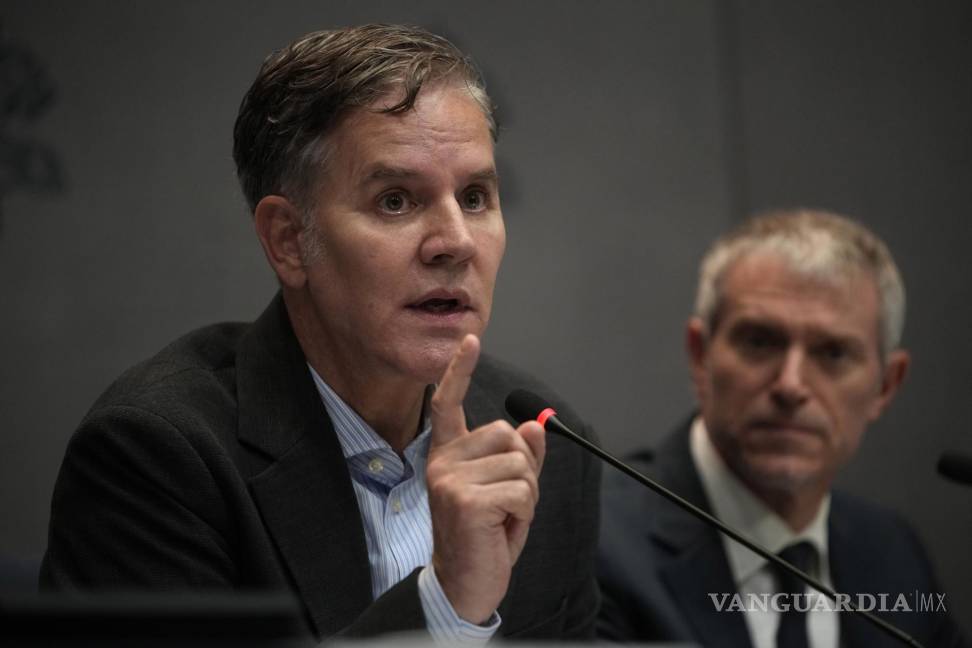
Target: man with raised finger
{"points": [[350, 444]]}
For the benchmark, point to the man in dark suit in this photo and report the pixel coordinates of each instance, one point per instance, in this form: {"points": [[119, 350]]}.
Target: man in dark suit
{"points": [[793, 351], [349, 445]]}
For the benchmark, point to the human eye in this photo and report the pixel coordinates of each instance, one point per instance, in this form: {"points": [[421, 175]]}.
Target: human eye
{"points": [[756, 341], [395, 202], [474, 199], [834, 353]]}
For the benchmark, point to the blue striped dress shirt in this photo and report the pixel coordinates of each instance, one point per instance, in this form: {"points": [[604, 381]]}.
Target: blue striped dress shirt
{"points": [[394, 504]]}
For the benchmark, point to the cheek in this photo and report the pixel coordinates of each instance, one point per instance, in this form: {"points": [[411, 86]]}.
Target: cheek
{"points": [[489, 254], [361, 284], [733, 385], [379, 267], [501, 239], [720, 402], [491, 240], [852, 415]]}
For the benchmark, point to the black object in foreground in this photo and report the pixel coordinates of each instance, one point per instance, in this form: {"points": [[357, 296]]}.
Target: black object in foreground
{"points": [[153, 619], [956, 467], [526, 406]]}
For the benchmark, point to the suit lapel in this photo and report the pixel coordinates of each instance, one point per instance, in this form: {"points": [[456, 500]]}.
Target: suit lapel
{"points": [[691, 576], [305, 496], [692, 560], [847, 555]]}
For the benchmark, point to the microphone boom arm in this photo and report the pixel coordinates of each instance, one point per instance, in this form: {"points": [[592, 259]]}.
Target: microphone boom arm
{"points": [[559, 428]]}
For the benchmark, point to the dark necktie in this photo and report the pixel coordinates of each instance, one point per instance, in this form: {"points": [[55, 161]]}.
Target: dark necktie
{"points": [[792, 632]]}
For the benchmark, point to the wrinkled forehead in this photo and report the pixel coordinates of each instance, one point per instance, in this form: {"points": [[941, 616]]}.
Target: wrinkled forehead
{"points": [[393, 97], [445, 131], [386, 111], [798, 272], [771, 285]]}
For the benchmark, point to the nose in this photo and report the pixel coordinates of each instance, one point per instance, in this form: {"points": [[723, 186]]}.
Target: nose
{"points": [[448, 240], [789, 390]]}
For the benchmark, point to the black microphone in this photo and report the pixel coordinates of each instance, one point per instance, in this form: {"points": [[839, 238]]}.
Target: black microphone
{"points": [[953, 465], [527, 406]]}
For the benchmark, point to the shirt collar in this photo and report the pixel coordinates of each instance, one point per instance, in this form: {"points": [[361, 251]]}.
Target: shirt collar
{"points": [[357, 438], [733, 503]]}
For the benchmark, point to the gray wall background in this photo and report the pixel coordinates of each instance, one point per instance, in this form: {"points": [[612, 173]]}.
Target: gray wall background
{"points": [[633, 133]]}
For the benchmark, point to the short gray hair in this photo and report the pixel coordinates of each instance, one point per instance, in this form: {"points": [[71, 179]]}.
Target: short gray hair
{"points": [[303, 90], [812, 242]]}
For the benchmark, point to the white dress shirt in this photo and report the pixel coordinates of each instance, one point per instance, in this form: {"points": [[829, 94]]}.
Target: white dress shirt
{"points": [[394, 503], [733, 503]]}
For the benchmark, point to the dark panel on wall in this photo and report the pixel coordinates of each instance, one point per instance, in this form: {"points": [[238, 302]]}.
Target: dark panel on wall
{"points": [[866, 108]]}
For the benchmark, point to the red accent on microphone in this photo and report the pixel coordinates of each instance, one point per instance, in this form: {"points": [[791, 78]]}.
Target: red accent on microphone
{"points": [[544, 415]]}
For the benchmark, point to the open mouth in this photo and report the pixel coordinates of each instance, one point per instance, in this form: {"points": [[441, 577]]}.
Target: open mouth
{"points": [[440, 306]]}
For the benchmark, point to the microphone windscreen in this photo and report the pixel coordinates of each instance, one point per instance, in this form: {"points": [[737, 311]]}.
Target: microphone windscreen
{"points": [[951, 464], [524, 406]]}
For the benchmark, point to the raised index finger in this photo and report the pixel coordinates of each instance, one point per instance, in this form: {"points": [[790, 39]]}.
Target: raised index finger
{"points": [[448, 419]]}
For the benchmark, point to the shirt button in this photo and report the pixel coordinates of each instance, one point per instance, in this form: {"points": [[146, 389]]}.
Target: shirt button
{"points": [[375, 465], [397, 506]]}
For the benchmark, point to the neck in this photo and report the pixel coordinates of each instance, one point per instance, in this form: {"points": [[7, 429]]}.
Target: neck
{"points": [[389, 402], [796, 507], [393, 412]]}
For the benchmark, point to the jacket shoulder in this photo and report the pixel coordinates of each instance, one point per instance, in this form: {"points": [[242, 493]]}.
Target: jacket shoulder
{"points": [[180, 373], [858, 524]]}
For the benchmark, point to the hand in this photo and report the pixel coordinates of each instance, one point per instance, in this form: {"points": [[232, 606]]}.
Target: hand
{"points": [[483, 488]]}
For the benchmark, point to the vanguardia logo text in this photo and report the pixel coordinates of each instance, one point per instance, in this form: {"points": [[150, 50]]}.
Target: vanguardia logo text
{"points": [[814, 602]]}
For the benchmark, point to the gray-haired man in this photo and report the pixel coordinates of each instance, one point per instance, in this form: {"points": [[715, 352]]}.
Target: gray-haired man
{"points": [[794, 351]]}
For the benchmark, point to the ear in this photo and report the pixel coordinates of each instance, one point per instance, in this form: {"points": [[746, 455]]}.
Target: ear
{"points": [[696, 346], [278, 226], [895, 369]]}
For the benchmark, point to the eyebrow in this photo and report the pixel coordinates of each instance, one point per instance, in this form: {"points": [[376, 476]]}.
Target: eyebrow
{"points": [[487, 175], [776, 327], [382, 172], [385, 172]]}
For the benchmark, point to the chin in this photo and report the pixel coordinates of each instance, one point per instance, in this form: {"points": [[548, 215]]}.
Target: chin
{"points": [[779, 474], [427, 362]]}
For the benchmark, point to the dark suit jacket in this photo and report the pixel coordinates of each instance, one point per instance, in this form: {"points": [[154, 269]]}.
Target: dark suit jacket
{"points": [[214, 465], [657, 564]]}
